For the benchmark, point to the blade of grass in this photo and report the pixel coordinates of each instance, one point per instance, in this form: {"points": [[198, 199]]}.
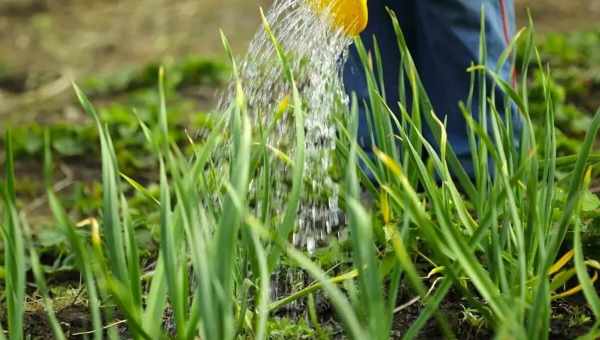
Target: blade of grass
{"points": [[14, 249], [42, 287], [293, 201], [587, 285], [111, 222], [364, 251]]}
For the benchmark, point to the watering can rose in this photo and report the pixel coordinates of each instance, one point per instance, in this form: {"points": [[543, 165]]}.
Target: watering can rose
{"points": [[351, 16]]}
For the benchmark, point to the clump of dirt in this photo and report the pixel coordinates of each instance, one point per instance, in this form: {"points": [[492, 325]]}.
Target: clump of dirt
{"points": [[571, 319], [74, 320]]}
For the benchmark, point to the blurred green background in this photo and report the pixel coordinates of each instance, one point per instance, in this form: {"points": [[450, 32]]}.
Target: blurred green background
{"points": [[113, 49], [45, 41]]}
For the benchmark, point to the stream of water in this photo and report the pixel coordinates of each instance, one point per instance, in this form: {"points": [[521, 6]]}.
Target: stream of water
{"points": [[316, 53]]}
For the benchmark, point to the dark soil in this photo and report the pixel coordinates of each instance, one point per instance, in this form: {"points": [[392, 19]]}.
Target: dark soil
{"points": [[74, 319], [570, 320]]}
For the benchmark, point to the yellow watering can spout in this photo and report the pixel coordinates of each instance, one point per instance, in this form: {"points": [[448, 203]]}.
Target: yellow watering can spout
{"points": [[351, 16]]}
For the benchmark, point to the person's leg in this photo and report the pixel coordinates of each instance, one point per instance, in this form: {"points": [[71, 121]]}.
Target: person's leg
{"points": [[443, 37], [448, 33], [380, 27]]}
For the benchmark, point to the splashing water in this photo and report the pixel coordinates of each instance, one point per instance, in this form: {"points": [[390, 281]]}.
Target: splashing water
{"points": [[316, 53]]}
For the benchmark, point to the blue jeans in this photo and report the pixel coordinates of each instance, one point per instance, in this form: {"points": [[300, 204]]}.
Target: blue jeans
{"points": [[443, 38]]}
